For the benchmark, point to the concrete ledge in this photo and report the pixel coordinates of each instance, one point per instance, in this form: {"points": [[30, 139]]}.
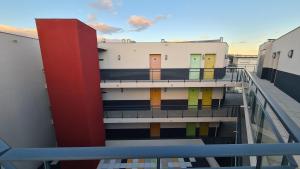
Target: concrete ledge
{"points": [[167, 84], [168, 120]]}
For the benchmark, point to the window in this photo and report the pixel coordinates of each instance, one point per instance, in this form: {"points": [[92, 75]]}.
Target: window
{"points": [[274, 55], [290, 53]]}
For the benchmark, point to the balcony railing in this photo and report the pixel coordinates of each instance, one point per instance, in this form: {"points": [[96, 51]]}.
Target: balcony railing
{"points": [[268, 121], [266, 118], [230, 74], [171, 111]]}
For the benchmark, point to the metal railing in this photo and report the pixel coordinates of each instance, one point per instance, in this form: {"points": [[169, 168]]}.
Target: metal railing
{"points": [[171, 111], [284, 150], [265, 101], [269, 122], [231, 74], [47, 155]]}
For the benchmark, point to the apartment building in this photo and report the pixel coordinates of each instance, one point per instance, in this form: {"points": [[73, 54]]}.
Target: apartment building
{"points": [[279, 62], [153, 88], [140, 105]]}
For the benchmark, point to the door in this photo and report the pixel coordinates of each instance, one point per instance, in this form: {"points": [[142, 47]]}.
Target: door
{"points": [[206, 97], [203, 129], [209, 65], [155, 66], [190, 129], [155, 97], [274, 66], [193, 98], [155, 130], [195, 63]]}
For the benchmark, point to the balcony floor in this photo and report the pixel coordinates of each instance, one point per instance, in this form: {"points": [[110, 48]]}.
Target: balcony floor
{"points": [[287, 103]]}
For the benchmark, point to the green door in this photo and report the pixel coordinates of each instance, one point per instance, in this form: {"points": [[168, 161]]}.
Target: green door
{"points": [[193, 98], [195, 63], [190, 129]]}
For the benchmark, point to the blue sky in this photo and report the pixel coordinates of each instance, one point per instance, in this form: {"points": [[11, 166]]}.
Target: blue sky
{"points": [[244, 24]]}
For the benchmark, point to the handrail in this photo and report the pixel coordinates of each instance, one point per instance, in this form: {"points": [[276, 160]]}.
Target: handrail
{"points": [[233, 74], [96, 153], [287, 122]]}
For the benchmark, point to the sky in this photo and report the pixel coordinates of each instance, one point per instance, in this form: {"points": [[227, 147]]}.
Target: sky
{"points": [[244, 24]]}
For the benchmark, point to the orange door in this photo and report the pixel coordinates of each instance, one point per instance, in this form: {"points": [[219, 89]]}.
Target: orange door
{"points": [[155, 130], [155, 66], [155, 97]]}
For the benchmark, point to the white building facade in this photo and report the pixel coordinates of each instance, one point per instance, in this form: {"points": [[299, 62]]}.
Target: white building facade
{"points": [[162, 88], [279, 62], [25, 117]]}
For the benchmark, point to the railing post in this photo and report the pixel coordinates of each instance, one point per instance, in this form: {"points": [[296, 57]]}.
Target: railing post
{"points": [[46, 165], [237, 75], [158, 163]]}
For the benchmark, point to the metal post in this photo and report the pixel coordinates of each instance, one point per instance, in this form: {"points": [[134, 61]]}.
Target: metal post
{"points": [[237, 75], [158, 163], [259, 137], [46, 165]]}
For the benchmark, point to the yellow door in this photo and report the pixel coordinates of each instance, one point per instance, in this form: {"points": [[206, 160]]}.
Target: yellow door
{"points": [[155, 66], [155, 130], [206, 97], [155, 97], [203, 130], [209, 65]]}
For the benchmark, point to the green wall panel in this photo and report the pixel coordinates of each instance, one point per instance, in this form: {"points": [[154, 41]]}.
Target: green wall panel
{"points": [[191, 129]]}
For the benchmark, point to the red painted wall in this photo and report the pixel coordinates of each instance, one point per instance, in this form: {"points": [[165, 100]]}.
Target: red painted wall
{"points": [[70, 59]]}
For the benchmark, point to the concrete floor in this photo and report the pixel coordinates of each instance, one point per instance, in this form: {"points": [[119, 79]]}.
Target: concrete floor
{"points": [[287, 103]]}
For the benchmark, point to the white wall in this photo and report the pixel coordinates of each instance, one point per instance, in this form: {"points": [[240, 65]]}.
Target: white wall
{"points": [[147, 125], [144, 94], [136, 55], [265, 50], [25, 118], [249, 63], [174, 93], [126, 94], [284, 44]]}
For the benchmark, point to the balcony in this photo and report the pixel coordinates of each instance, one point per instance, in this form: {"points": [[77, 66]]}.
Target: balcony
{"points": [[170, 113], [167, 78], [272, 141]]}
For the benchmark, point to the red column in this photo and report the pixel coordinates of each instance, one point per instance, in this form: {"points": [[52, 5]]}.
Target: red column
{"points": [[70, 59]]}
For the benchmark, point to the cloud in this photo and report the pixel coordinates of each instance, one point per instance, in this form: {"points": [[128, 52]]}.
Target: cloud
{"points": [[140, 23], [101, 27], [102, 4], [19, 31], [104, 28], [161, 17], [104, 39], [91, 18]]}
